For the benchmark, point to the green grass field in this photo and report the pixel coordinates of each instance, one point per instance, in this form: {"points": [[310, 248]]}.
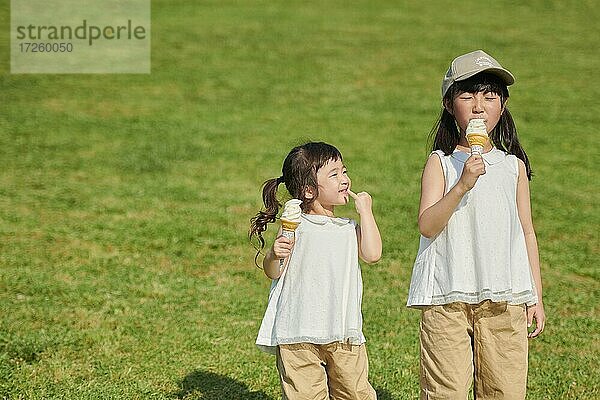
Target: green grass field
{"points": [[125, 269]]}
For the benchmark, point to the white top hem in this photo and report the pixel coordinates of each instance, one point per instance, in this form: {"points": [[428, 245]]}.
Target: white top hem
{"points": [[528, 298], [266, 345]]}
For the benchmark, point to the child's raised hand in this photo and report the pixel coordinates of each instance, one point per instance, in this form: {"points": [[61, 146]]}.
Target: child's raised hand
{"points": [[362, 201], [473, 169], [282, 247]]}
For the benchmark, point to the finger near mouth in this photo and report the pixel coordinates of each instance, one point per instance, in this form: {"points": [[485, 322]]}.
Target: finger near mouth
{"points": [[345, 194]]}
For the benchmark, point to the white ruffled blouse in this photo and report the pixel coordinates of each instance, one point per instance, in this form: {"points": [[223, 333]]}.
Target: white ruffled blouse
{"points": [[481, 253], [317, 299]]}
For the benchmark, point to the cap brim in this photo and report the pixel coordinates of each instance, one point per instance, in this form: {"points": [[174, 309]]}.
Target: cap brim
{"points": [[503, 74]]}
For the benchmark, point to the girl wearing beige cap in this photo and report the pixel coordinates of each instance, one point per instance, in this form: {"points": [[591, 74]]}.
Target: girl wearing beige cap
{"points": [[476, 277]]}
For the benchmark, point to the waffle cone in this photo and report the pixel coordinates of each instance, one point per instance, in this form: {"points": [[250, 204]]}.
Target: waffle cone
{"points": [[475, 139], [289, 225]]}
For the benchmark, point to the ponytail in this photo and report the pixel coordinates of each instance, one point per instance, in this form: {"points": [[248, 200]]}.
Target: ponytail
{"points": [[258, 223], [299, 172]]}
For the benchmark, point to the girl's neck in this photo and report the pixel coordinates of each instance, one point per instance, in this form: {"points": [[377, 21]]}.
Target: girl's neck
{"points": [[318, 209]]}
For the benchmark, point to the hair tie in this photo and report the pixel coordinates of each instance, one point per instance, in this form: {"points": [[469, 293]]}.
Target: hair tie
{"points": [[280, 180]]}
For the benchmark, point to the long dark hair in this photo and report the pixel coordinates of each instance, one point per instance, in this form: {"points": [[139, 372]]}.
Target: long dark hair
{"points": [[445, 133], [299, 172]]}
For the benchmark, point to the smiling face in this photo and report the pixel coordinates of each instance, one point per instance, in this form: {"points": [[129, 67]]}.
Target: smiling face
{"points": [[333, 188]]}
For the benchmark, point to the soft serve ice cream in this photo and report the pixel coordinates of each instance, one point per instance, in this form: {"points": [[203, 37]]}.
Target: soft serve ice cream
{"points": [[477, 136], [291, 212]]}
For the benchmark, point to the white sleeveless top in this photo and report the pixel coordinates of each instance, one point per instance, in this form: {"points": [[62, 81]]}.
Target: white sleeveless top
{"points": [[317, 299], [481, 253]]}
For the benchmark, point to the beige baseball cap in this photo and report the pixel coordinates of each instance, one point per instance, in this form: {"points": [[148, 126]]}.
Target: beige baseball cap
{"points": [[467, 65]]}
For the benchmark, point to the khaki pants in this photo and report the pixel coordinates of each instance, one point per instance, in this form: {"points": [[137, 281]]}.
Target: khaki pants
{"points": [[322, 372], [485, 341]]}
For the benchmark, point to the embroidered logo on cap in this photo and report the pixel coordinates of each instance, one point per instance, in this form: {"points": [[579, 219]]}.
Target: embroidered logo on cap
{"points": [[483, 62]]}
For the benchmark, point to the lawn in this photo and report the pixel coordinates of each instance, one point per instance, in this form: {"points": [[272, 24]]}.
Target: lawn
{"points": [[125, 268]]}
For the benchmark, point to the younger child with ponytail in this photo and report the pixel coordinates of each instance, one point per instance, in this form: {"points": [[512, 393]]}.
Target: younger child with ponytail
{"points": [[313, 321]]}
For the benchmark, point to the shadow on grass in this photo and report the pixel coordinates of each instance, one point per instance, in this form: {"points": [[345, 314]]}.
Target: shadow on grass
{"points": [[383, 394], [210, 386]]}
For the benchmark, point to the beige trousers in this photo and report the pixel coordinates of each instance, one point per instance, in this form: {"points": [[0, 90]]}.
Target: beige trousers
{"points": [[336, 371], [486, 342]]}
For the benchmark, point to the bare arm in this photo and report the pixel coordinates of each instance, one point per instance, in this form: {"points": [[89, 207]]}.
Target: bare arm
{"points": [[535, 312], [369, 238], [436, 208], [281, 249]]}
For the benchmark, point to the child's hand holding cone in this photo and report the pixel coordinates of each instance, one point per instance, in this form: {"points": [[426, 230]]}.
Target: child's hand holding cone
{"points": [[282, 247]]}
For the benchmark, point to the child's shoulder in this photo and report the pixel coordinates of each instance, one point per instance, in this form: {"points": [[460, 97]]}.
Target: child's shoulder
{"points": [[439, 153], [440, 156]]}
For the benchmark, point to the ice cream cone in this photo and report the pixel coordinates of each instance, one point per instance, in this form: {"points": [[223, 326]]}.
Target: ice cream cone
{"points": [[477, 136], [290, 219], [289, 225], [477, 140]]}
